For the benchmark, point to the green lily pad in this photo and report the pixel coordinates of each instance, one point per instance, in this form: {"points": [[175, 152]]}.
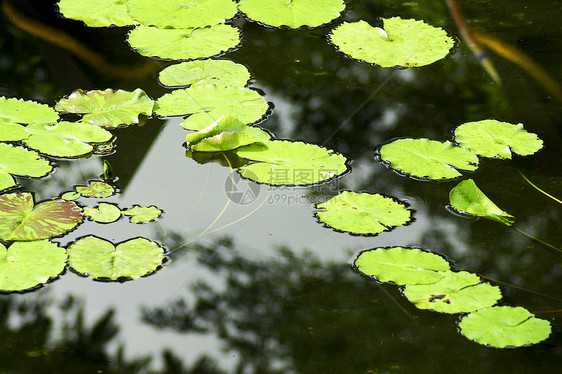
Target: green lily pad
{"points": [[25, 265], [281, 162], [141, 214], [103, 213], [424, 158], [184, 44], [364, 213], [401, 42], [207, 104], [181, 14], [292, 13], [95, 189], [14, 110], [205, 72], [70, 195], [226, 134], [491, 138], [100, 259], [457, 292], [504, 326], [21, 219], [22, 162], [97, 13], [107, 108], [467, 198], [402, 265]]}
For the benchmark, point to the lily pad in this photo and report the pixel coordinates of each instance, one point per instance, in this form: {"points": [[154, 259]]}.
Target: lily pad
{"points": [[97, 13], [207, 104], [141, 214], [14, 110], [21, 219], [364, 213], [504, 326], [184, 44], [281, 162], [491, 138], [225, 134], [457, 292], [292, 13], [100, 259], [25, 265], [467, 198], [22, 162], [103, 213], [107, 108], [430, 159], [402, 265], [205, 72], [181, 14], [401, 42], [95, 189]]}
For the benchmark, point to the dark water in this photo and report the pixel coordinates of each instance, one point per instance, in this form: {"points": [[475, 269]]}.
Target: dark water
{"points": [[271, 290]]}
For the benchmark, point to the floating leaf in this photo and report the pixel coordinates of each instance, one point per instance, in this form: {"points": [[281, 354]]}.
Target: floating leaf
{"points": [[207, 104], [225, 134], [402, 42], [20, 161], [25, 265], [181, 14], [363, 213], [491, 138], [140, 214], [108, 108], [204, 72], [70, 195], [292, 13], [97, 13], [183, 44], [95, 189], [504, 326], [103, 213], [14, 110], [424, 158], [21, 220], [457, 292], [282, 162], [467, 198], [402, 265], [100, 259]]}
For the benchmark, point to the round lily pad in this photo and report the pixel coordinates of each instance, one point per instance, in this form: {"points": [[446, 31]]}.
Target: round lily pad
{"points": [[141, 214], [20, 161], [401, 42], [25, 265], [402, 265], [14, 110], [364, 213], [205, 72], [100, 259], [103, 213], [95, 189], [97, 13], [491, 138], [504, 326]]}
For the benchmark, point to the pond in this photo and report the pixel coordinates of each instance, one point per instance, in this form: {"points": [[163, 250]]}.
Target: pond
{"points": [[252, 281]]}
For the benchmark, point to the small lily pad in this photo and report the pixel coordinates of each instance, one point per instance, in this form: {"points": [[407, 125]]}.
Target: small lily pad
{"points": [[103, 213], [364, 213], [491, 138], [14, 110], [281, 162], [467, 198], [107, 108], [95, 189], [184, 44], [141, 214], [100, 259], [401, 42], [97, 13], [205, 72], [292, 13], [457, 292], [25, 265], [22, 162], [430, 159], [504, 326], [21, 219], [402, 265]]}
